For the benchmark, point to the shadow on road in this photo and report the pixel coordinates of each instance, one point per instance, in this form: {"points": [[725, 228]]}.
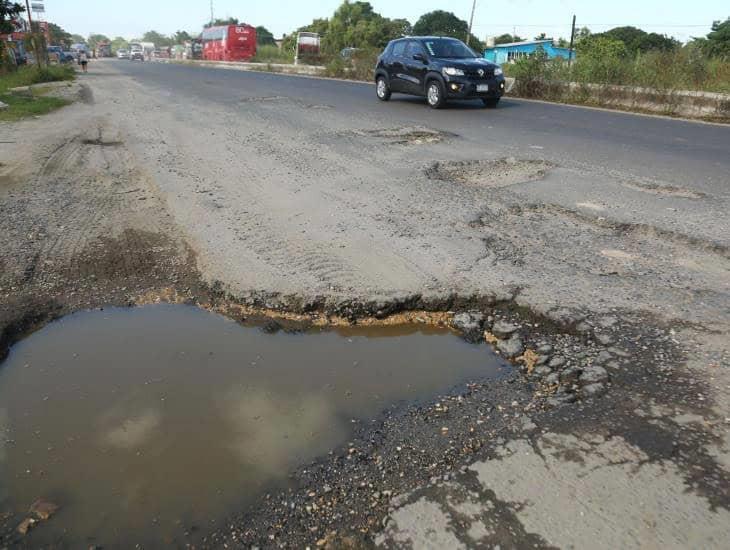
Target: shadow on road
{"points": [[475, 105]]}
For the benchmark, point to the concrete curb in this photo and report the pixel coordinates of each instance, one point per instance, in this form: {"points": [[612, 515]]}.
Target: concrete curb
{"points": [[307, 70]]}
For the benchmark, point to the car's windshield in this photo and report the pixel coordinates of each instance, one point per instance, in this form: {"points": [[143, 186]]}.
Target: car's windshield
{"points": [[449, 48]]}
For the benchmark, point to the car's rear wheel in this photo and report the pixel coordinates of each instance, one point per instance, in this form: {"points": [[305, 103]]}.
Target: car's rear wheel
{"points": [[382, 89], [490, 102], [435, 94]]}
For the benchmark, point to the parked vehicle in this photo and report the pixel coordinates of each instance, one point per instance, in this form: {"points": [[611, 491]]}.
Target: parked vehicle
{"points": [[308, 47], [122, 54], [193, 49], [148, 49], [57, 53], [103, 49], [76, 50], [229, 43], [438, 69], [136, 52], [19, 52], [347, 53]]}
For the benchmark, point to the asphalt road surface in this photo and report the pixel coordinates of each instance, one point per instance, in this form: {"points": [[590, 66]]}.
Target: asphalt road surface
{"points": [[347, 197]]}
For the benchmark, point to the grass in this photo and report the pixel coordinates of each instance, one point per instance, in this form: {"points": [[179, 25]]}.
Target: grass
{"points": [[25, 106], [36, 104], [272, 54], [27, 76]]}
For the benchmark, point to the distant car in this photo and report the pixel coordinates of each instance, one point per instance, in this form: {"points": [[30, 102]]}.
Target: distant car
{"points": [[348, 53], [438, 69], [63, 56], [136, 52], [122, 54]]}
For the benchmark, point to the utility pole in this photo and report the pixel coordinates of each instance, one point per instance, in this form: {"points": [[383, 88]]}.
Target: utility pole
{"points": [[30, 19], [572, 41], [211, 12], [36, 51], [471, 22]]}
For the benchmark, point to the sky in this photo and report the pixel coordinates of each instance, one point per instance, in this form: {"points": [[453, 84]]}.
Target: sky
{"points": [[528, 18]]}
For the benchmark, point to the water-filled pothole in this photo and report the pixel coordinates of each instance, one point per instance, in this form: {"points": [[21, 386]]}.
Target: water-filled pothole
{"points": [[143, 423]]}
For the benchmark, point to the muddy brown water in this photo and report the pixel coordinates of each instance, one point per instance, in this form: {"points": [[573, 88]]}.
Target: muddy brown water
{"points": [[146, 424]]}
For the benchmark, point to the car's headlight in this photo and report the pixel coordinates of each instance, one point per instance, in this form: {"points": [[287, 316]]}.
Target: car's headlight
{"points": [[452, 71], [498, 71]]}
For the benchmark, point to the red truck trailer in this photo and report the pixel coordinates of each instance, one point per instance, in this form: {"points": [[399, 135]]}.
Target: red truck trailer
{"points": [[229, 43]]}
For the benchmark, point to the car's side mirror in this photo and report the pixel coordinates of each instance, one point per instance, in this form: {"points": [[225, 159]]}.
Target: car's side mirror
{"points": [[419, 57]]}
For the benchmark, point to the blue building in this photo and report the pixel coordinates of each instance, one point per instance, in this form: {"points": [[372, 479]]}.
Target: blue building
{"points": [[509, 53]]}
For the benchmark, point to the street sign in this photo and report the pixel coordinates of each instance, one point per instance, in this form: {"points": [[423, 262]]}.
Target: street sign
{"points": [[38, 7]]}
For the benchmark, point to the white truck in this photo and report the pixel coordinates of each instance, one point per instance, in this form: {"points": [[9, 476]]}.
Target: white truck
{"points": [[136, 51], [141, 50]]}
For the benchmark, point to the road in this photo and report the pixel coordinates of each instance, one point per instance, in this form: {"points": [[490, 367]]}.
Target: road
{"points": [[301, 194], [348, 209]]}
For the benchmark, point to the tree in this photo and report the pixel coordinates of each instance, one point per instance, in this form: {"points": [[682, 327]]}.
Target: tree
{"points": [[582, 33], [354, 24], [58, 36], [601, 59], [119, 43], [600, 47], [542, 36], [157, 39], [222, 22], [639, 41], [9, 11], [441, 23], [563, 43], [78, 39], [717, 43], [180, 37], [507, 39], [444, 23], [95, 39], [264, 37]]}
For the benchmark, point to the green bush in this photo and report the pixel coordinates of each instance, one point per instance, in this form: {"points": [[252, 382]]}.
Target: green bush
{"points": [[272, 54], [607, 63], [361, 66]]}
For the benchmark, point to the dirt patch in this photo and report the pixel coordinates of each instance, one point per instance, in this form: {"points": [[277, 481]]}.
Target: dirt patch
{"points": [[490, 173], [664, 190], [284, 99], [638, 231]]}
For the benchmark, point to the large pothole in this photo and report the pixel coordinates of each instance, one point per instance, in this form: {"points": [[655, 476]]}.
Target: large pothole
{"points": [[156, 419], [490, 173]]}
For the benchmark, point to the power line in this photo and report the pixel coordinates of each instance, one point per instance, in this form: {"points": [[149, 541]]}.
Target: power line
{"points": [[591, 24]]}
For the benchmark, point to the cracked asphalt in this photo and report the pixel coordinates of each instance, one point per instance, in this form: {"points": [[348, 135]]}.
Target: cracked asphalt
{"points": [[305, 190]]}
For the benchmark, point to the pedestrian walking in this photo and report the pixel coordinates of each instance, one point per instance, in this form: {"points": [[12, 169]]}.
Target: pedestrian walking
{"points": [[84, 60]]}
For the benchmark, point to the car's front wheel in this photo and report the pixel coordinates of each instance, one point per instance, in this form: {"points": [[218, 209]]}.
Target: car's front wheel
{"points": [[435, 94], [382, 89], [490, 102]]}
